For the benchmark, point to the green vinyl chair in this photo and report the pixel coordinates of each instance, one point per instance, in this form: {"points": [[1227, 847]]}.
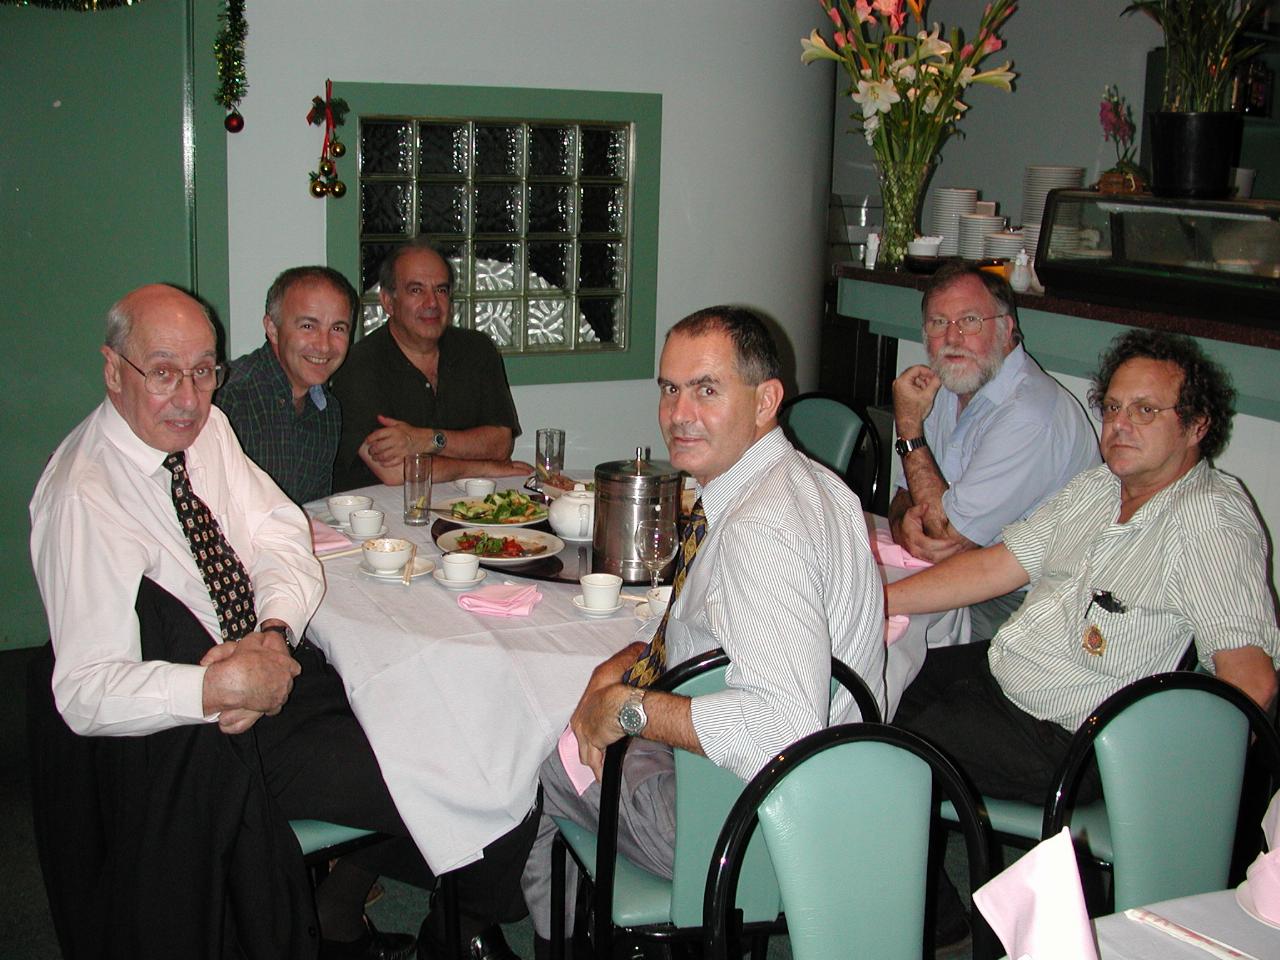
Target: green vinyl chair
{"points": [[630, 903], [1171, 751], [831, 432], [846, 814]]}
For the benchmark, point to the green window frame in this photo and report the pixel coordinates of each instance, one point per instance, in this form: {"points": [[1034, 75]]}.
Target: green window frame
{"points": [[642, 116]]}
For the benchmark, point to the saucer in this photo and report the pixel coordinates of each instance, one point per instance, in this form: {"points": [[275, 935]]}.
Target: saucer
{"points": [[421, 567], [586, 539], [458, 584], [1245, 898], [642, 610], [586, 611], [346, 528]]}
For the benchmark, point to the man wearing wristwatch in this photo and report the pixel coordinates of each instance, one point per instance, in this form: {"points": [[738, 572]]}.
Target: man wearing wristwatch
{"points": [[984, 435], [418, 384], [782, 579]]}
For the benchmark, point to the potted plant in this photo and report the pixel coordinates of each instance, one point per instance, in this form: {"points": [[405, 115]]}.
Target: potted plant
{"points": [[1116, 117], [906, 86], [1194, 137]]}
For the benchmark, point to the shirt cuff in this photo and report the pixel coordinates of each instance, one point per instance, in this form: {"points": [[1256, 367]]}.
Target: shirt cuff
{"points": [[186, 695]]}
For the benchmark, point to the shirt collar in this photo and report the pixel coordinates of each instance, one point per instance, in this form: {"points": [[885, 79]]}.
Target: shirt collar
{"points": [[727, 489], [120, 435], [1000, 387], [1150, 511], [280, 380]]}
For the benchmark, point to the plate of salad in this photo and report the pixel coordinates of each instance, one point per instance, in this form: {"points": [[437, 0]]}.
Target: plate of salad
{"points": [[505, 508], [497, 550]]}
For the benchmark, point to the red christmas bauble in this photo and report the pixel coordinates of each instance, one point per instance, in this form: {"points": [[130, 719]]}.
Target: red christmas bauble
{"points": [[234, 122]]}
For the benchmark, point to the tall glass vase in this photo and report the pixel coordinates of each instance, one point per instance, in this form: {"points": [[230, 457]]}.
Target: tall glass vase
{"points": [[901, 193]]}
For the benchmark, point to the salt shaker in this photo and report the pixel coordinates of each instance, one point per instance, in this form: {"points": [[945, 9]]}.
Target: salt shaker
{"points": [[1020, 280]]}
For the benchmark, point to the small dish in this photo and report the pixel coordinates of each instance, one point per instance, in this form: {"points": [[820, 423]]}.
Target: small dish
{"points": [[1244, 897], [575, 539], [643, 611], [421, 567], [346, 528], [586, 611], [448, 584]]}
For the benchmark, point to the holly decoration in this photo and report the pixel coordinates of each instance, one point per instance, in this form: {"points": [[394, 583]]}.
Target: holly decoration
{"points": [[331, 113], [228, 50]]}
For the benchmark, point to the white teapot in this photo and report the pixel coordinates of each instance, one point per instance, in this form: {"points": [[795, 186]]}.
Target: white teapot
{"points": [[573, 513]]}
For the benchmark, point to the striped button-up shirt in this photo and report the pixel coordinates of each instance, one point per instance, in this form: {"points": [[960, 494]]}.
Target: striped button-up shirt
{"points": [[783, 579], [1191, 563]]}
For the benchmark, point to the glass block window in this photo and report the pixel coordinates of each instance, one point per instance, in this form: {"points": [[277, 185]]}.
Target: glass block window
{"points": [[534, 214]]}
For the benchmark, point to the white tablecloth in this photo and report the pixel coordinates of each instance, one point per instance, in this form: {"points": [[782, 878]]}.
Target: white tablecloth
{"points": [[461, 709], [1214, 914]]}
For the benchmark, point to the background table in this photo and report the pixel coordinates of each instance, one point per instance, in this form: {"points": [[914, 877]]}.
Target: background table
{"points": [[1214, 914]]}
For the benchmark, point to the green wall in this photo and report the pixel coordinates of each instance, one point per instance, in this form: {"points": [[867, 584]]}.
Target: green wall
{"points": [[97, 196]]}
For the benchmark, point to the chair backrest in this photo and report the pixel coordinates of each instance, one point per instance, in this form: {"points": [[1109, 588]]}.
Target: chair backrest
{"points": [[830, 431], [1171, 753], [846, 815], [706, 792]]}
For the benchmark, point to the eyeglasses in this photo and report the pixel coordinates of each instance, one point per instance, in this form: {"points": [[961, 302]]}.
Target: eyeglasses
{"points": [[1139, 413], [163, 381], [968, 325]]}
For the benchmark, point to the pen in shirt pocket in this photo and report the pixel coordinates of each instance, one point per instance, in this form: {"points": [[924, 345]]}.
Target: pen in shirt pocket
{"points": [[1105, 600]]}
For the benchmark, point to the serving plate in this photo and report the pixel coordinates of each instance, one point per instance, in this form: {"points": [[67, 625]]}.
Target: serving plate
{"points": [[448, 543]]}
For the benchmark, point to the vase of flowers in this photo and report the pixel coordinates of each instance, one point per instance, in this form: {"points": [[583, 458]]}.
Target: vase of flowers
{"points": [[1116, 117], [1194, 137], [906, 85]]}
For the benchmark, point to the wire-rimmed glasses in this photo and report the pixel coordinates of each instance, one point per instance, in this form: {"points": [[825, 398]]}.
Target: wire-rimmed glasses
{"points": [[163, 381]]}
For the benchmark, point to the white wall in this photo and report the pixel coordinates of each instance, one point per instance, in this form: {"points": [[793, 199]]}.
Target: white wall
{"points": [[745, 163], [1064, 54]]}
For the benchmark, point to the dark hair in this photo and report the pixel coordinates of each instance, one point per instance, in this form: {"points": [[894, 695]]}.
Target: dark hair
{"points": [[996, 286], [755, 353], [1206, 389], [387, 272], [282, 284]]}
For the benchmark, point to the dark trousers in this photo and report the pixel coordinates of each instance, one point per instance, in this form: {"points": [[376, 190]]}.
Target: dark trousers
{"points": [[957, 705]]}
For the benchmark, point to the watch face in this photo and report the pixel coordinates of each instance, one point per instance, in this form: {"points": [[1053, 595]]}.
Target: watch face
{"points": [[632, 719]]}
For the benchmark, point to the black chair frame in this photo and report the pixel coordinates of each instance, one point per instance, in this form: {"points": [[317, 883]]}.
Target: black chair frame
{"points": [[868, 435]]}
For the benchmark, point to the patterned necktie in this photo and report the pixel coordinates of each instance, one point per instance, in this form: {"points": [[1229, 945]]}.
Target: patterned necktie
{"points": [[223, 573], [653, 661]]}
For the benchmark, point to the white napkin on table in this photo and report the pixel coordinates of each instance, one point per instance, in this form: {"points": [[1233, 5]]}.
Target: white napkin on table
{"points": [[1263, 875], [1036, 907]]}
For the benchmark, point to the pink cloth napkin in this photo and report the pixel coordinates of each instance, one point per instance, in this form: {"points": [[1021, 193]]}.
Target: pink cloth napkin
{"points": [[889, 554], [1036, 907], [1263, 875], [502, 600], [894, 628], [325, 539], [580, 775]]}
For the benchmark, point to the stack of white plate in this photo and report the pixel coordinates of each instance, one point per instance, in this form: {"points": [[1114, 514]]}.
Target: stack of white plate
{"points": [[943, 215], [974, 228], [1037, 181], [1006, 244]]}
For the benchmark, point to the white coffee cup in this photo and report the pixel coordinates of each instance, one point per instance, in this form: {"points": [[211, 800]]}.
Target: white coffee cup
{"points": [[600, 590], [460, 566], [343, 505], [366, 523], [479, 487], [658, 600]]}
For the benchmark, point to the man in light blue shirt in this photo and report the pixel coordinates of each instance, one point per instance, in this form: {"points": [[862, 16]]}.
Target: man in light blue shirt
{"points": [[984, 434]]}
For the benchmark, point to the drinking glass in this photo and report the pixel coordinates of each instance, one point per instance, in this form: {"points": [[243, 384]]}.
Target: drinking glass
{"points": [[549, 452], [656, 544], [417, 489]]}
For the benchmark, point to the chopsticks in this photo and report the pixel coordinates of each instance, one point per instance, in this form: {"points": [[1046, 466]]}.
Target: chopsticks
{"points": [[339, 553], [408, 567], [1176, 930]]}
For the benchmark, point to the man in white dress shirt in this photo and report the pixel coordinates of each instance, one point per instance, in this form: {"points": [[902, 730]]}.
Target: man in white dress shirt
{"points": [[782, 579], [188, 732]]}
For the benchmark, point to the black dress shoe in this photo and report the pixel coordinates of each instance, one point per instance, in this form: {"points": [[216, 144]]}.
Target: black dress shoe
{"points": [[374, 945], [488, 944]]}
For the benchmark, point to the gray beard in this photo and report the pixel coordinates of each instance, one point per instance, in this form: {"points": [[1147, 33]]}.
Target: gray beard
{"points": [[965, 383]]}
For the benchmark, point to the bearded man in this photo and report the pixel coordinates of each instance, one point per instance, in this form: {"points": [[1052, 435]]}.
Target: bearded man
{"points": [[984, 434]]}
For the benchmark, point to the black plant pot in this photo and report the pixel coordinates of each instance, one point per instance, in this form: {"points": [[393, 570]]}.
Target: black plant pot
{"points": [[1192, 153]]}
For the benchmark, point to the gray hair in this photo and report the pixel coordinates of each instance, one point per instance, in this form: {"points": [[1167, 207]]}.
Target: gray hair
{"points": [[282, 284], [387, 273], [996, 286]]}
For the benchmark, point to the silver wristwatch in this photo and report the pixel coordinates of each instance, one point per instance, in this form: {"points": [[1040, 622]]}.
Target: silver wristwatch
{"points": [[437, 441], [631, 715]]}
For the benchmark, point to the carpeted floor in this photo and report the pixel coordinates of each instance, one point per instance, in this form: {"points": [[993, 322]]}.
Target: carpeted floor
{"points": [[26, 932]]}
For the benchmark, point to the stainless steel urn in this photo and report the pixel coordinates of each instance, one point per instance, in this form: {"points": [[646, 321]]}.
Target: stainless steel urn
{"points": [[628, 491]]}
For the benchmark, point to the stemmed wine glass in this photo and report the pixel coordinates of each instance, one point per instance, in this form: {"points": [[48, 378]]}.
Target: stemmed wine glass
{"points": [[656, 544]]}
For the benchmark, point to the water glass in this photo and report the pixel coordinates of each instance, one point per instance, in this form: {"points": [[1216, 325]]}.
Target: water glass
{"points": [[656, 546], [550, 452], [417, 489]]}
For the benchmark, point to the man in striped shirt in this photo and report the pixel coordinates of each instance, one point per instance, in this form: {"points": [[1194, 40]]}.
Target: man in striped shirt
{"points": [[782, 580], [1128, 564]]}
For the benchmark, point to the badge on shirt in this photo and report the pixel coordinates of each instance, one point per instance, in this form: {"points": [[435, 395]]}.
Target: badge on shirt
{"points": [[1094, 642]]}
